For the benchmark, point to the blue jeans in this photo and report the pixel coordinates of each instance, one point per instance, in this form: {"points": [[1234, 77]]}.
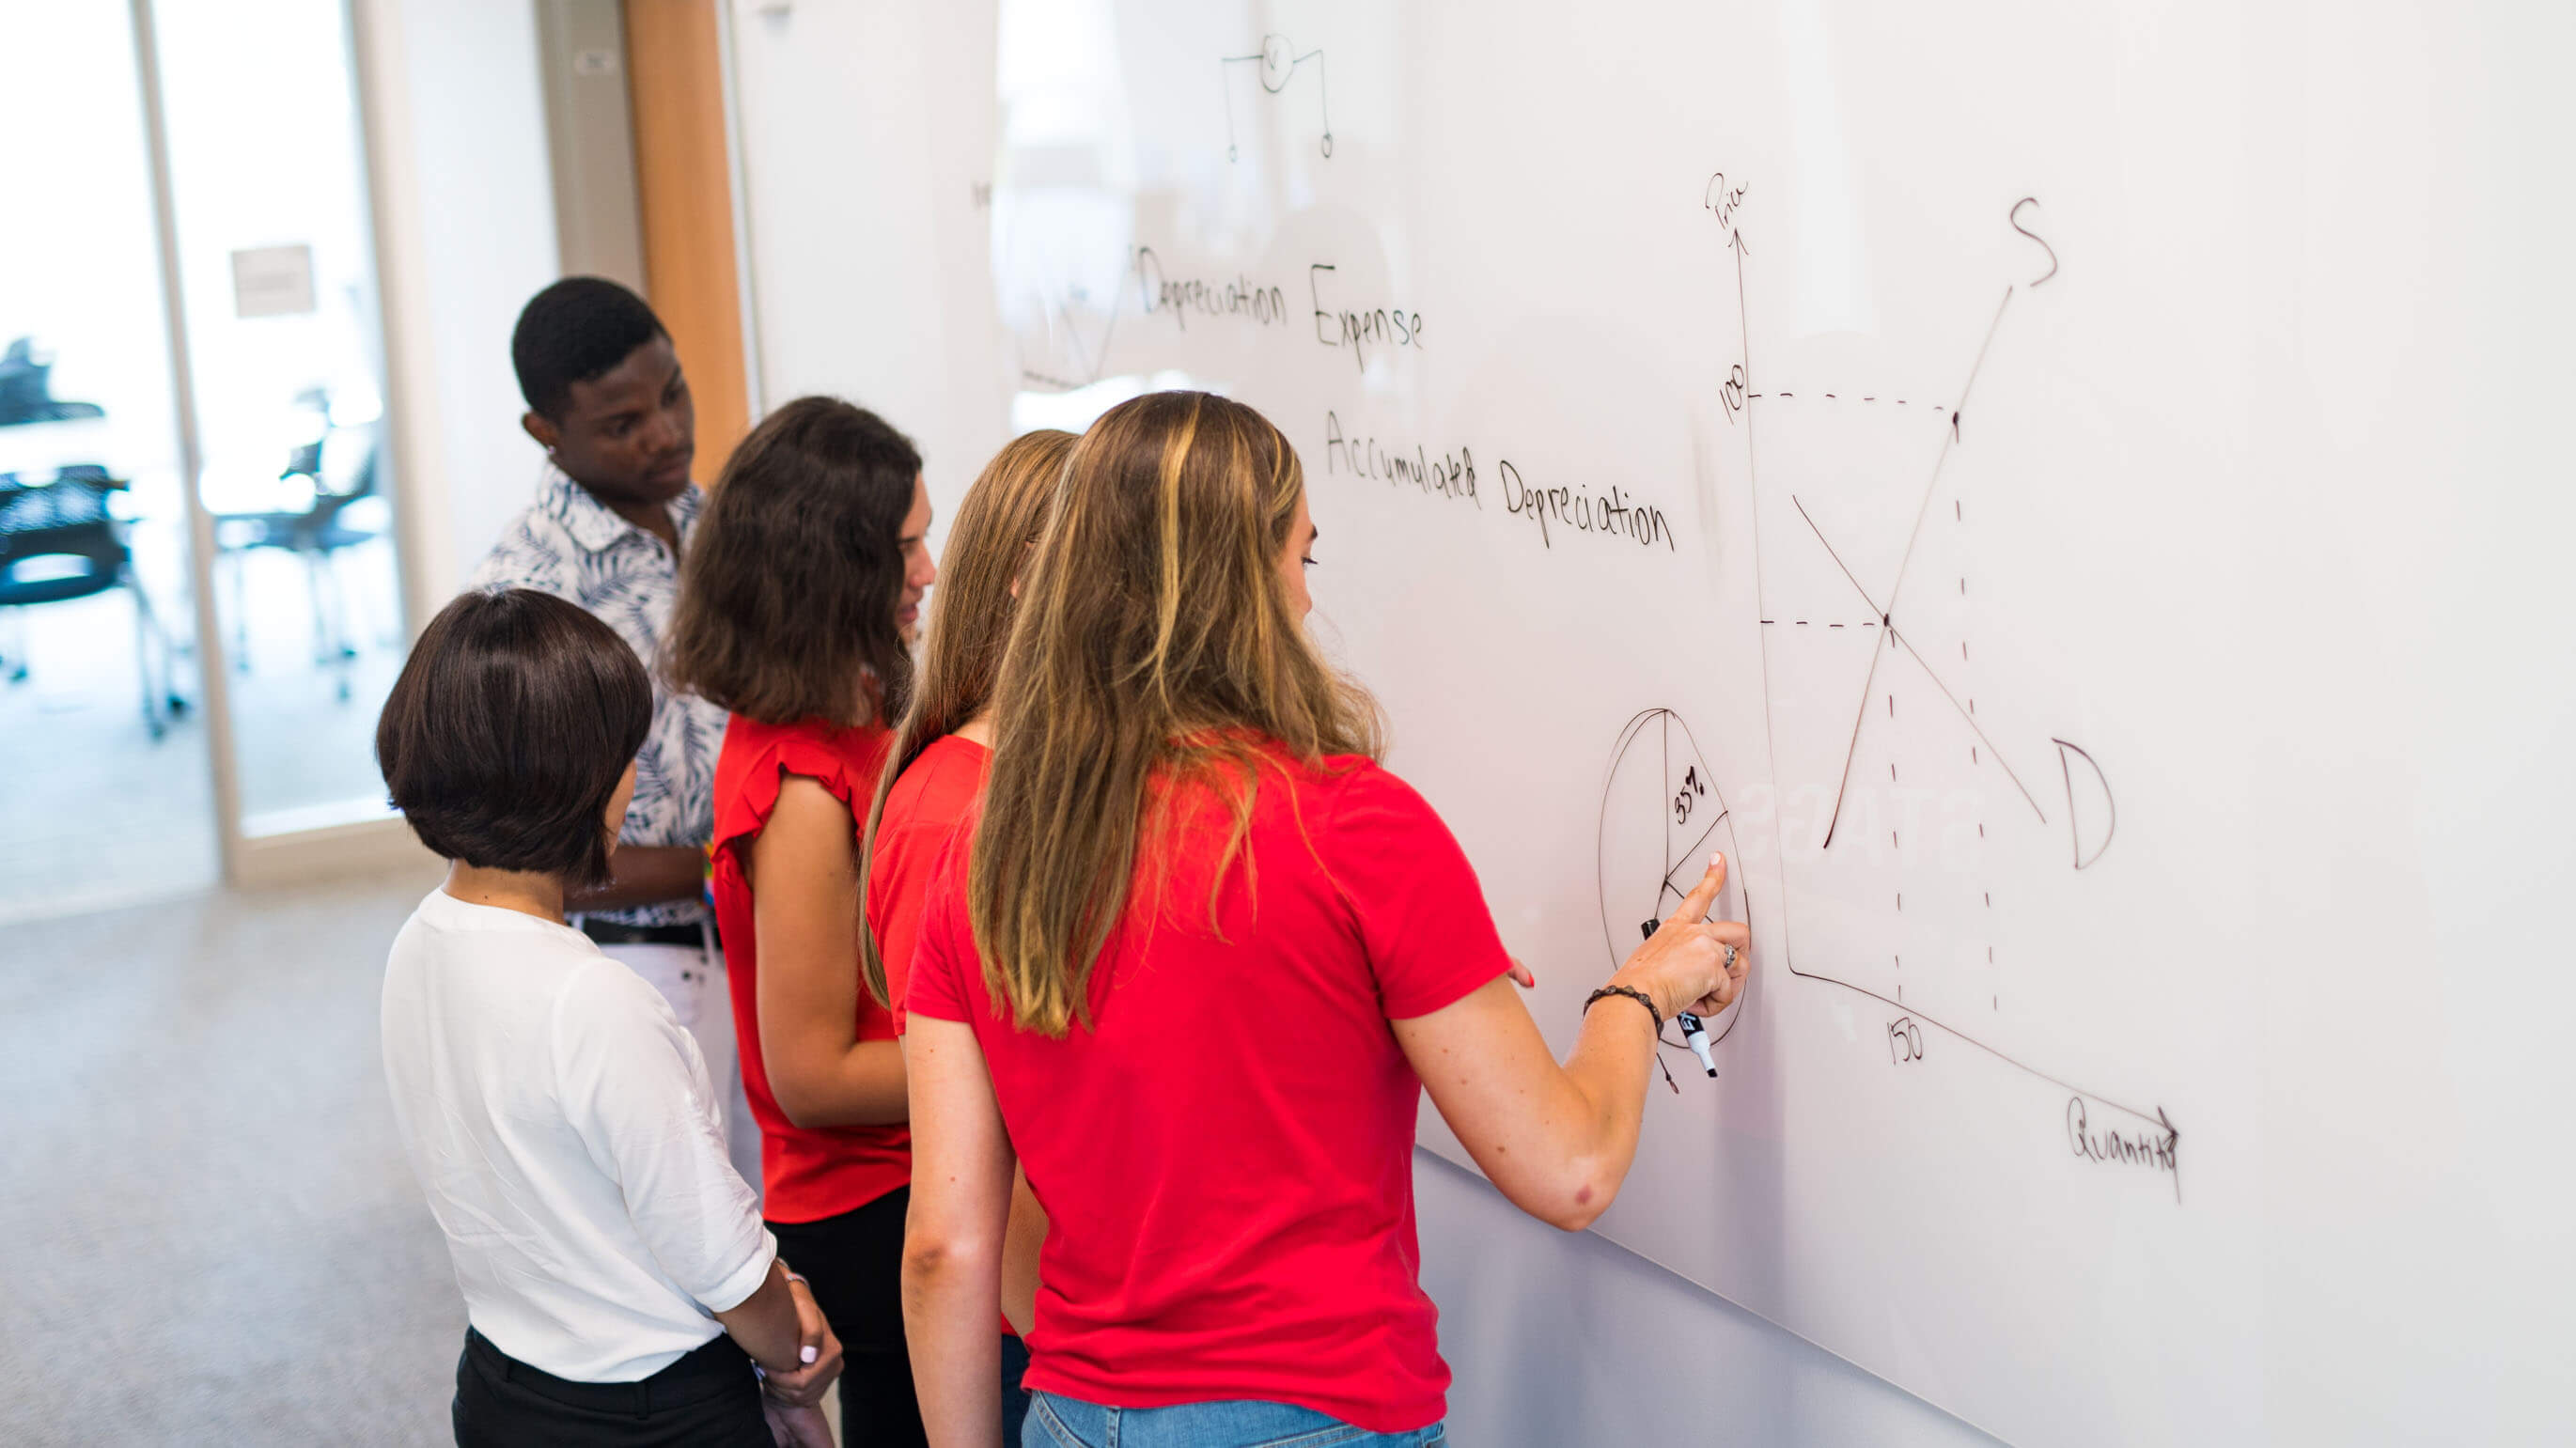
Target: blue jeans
{"points": [[1061, 1422]]}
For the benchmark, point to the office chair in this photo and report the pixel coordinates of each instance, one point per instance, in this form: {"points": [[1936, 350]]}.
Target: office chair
{"points": [[58, 542]]}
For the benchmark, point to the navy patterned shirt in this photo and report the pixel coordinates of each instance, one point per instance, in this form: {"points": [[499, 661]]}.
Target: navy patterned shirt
{"points": [[573, 546]]}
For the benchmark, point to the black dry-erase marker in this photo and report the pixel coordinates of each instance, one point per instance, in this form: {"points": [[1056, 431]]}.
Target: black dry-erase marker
{"points": [[1694, 1035]]}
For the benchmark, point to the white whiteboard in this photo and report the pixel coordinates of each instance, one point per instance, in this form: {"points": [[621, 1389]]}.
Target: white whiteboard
{"points": [[2055, 493]]}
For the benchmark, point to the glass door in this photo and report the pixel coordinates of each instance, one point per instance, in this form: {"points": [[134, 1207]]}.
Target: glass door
{"points": [[200, 608], [106, 793], [269, 201]]}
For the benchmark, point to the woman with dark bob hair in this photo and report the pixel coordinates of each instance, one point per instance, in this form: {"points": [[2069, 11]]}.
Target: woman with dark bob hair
{"points": [[618, 1283], [798, 605]]}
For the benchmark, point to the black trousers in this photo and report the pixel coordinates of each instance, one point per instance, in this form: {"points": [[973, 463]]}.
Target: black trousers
{"points": [[854, 1264], [1015, 1398], [706, 1398]]}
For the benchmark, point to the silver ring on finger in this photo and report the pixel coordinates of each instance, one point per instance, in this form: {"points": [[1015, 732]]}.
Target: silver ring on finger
{"points": [[1730, 959]]}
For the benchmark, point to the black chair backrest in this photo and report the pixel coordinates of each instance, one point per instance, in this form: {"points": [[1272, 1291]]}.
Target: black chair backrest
{"points": [[69, 518], [22, 390], [305, 461]]}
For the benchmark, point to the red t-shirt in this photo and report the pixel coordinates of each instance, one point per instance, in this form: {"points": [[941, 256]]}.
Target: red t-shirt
{"points": [[1226, 1155], [809, 1173], [937, 790]]}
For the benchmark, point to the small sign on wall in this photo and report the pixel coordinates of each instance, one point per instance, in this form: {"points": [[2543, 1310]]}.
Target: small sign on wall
{"points": [[273, 281]]}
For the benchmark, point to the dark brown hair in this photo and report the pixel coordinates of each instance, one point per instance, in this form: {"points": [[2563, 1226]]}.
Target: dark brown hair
{"points": [[788, 594], [970, 621], [504, 739]]}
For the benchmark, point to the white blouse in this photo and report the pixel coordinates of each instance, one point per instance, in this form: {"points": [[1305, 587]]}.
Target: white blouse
{"points": [[564, 1128]]}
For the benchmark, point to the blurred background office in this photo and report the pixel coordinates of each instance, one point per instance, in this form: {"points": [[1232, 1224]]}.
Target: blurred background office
{"points": [[259, 261], [257, 270], [192, 470]]}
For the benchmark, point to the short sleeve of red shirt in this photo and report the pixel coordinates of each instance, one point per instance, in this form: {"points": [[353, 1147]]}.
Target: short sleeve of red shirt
{"points": [[943, 955], [1420, 912], [748, 782], [936, 793], [758, 757], [810, 1172]]}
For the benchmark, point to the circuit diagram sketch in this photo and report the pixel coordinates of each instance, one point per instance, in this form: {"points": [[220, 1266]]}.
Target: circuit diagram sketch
{"points": [[1273, 67]]}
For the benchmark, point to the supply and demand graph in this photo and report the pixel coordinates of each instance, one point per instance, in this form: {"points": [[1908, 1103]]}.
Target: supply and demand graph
{"points": [[1917, 800]]}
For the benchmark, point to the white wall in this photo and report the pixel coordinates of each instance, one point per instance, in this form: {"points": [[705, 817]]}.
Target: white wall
{"points": [[867, 241], [1563, 1340], [870, 280], [464, 214]]}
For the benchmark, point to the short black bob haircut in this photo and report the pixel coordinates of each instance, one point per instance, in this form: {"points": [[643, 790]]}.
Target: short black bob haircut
{"points": [[504, 739], [577, 330]]}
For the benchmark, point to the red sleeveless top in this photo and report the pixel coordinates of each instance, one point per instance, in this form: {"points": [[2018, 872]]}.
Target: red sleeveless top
{"points": [[809, 1173]]}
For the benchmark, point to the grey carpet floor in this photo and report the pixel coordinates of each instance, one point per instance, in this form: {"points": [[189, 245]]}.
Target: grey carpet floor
{"points": [[208, 1234]]}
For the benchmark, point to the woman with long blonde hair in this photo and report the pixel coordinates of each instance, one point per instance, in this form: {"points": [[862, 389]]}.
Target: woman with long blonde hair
{"points": [[1191, 972], [934, 775]]}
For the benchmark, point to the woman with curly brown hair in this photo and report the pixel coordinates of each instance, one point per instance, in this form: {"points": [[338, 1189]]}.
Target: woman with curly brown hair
{"points": [[798, 606]]}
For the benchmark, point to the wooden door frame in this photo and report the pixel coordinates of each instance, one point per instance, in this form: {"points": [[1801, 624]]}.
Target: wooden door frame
{"points": [[688, 205]]}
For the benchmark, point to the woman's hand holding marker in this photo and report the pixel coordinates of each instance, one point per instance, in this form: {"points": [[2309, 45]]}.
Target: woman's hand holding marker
{"points": [[1692, 964]]}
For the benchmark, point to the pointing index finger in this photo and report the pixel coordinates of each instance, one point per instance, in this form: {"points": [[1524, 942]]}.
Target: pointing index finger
{"points": [[1695, 906]]}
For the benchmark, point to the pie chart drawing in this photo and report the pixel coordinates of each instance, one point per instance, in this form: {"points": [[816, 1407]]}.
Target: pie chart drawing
{"points": [[1662, 816]]}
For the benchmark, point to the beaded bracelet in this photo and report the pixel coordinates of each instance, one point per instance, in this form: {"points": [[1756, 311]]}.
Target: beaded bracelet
{"points": [[1632, 993]]}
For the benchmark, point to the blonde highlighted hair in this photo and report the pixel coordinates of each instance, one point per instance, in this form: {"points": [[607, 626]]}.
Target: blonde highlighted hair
{"points": [[1155, 642], [970, 620]]}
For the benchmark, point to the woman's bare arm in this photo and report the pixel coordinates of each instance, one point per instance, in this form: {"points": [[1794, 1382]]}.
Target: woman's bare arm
{"points": [[1020, 1247], [953, 1233], [1558, 1140], [805, 911]]}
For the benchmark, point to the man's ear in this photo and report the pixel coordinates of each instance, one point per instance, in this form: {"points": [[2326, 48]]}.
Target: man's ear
{"points": [[542, 428]]}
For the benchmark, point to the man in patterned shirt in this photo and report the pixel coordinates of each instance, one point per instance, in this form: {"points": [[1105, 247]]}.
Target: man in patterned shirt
{"points": [[608, 403]]}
